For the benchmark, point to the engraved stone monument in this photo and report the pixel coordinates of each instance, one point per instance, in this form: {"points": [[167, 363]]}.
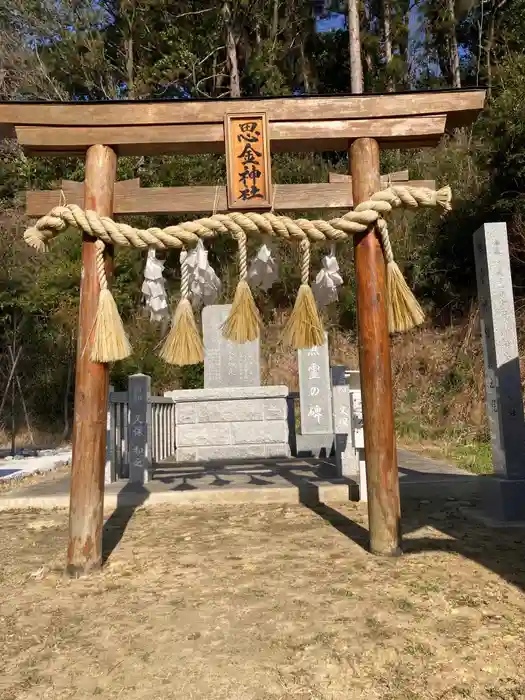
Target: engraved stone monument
{"points": [[233, 417], [315, 394], [346, 457], [227, 364], [502, 371], [139, 428]]}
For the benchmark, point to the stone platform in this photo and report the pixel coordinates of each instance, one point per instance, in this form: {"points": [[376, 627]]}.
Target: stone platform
{"points": [[256, 481]]}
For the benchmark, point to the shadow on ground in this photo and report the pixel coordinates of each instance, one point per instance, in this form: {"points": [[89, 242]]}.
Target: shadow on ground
{"points": [[115, 526], [494, 549]]}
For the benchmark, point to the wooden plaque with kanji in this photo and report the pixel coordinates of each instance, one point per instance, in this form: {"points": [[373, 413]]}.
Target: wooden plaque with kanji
{"points": [[248, 164]]}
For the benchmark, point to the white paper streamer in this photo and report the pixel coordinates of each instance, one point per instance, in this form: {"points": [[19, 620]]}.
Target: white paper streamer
{"points": [[264, 269], [205, 286], [328, 279], [154, 288]]}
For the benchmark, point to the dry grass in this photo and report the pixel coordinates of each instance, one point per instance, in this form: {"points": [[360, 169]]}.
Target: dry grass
{"points": [[244, 603], [43, 439]]}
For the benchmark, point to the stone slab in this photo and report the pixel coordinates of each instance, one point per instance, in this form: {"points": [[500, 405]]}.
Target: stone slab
{"points": [[227, 364], [314, 445], [202, 434], [139, 428], [500, 350], [259, 432], [225, 393], [346, 457], [358, 433], [315, 396], [222, 452], [230, 410]]}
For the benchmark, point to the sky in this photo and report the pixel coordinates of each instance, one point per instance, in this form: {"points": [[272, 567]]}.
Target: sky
{"points": [[333, 21]]}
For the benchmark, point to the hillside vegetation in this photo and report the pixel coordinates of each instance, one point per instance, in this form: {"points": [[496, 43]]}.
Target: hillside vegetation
{"points": [[136, 49]]}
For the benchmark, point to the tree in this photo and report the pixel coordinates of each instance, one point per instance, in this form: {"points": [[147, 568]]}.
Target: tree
{"points": [[354, 42]]}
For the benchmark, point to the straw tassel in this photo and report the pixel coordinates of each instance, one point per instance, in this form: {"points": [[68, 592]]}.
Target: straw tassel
{"points": [[404, 311], [244, 322], [304, 328], [183, 345], [110, 342]]}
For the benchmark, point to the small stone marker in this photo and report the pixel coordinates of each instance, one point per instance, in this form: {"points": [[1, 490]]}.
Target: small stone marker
{"points": [[314, 390], [108, 473], [500, 350], [357, 420], [345, 455], [139, 428], [227, 364]]}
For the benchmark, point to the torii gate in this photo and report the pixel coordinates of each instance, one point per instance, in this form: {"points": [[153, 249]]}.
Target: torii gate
{"points": [[101, 132]]}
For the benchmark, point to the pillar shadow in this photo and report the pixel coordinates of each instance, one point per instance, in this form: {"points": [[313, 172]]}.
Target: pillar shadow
{"points": [[129, 498], [309, 497], [500, 550]]}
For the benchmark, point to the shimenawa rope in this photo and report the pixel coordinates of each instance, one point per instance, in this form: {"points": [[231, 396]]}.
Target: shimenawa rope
{"points": [[304, 328]]}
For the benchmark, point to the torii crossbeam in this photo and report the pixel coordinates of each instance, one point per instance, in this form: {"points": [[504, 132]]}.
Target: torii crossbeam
{"points": [[360, 124]]}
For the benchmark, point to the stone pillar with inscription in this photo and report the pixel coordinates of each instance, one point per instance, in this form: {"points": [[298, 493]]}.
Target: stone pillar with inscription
{"points": [[109, 474], [505, 494], [227, 364], [139, 428], [346, 457], [315, 396]]}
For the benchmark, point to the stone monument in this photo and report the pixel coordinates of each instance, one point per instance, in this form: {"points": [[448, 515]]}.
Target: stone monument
{"points": [[227, 364], [233, 417], [505, 494]]}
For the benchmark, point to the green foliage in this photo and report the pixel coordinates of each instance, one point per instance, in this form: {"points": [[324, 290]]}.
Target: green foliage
{"points": [[145, 49]]}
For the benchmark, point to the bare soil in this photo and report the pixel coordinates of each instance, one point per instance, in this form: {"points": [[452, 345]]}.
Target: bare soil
{"points": [[246, 603]]}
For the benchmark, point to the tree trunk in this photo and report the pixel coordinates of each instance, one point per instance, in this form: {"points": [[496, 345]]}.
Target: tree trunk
{"points": [[454, 50], [488, 52], [231, 52], [304, 69], [387, 35], [70, 364], [356, 68], [275, 19], [129, 68]]}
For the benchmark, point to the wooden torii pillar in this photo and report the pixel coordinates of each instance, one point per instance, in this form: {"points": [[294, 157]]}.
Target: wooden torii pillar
{"points": [[363, 124]]}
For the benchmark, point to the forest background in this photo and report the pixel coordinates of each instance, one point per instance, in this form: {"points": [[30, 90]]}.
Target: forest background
{"points": [[144, 49]]}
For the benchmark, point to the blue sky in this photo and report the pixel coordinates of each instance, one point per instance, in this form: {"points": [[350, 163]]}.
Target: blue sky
{"points": [[333, 21]]}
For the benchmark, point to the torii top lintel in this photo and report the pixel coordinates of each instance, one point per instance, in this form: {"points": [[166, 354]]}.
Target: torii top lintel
{"points": [[307, 123]]}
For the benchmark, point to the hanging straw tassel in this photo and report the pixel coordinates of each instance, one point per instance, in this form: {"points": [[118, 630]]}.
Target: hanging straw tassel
{"points": [[183, 346], [110, 342], [244, 322], [404, 311], [304, 328]]}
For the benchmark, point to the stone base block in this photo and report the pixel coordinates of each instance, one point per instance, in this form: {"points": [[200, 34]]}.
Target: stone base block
{"points": [[317, 446], [503, 499], [209, 453]]}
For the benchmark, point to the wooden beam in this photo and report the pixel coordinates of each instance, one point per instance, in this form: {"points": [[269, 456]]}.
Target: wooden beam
{"points": [[461, 106], [374, 363], [398, 177], [209, 138], [130, 198], [86, 512]]}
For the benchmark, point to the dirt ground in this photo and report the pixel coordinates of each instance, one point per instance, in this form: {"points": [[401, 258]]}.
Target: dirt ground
{"points": [[245, 603]]}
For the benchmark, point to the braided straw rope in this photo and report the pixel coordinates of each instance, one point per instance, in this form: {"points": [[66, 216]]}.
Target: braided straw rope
{"points": [[183, 345], [235, 223]]}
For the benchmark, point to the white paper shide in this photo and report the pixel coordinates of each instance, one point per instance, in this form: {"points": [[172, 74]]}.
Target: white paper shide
{"points": [[264, 268], [205, 286], [328, 279], [154, 288]]}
